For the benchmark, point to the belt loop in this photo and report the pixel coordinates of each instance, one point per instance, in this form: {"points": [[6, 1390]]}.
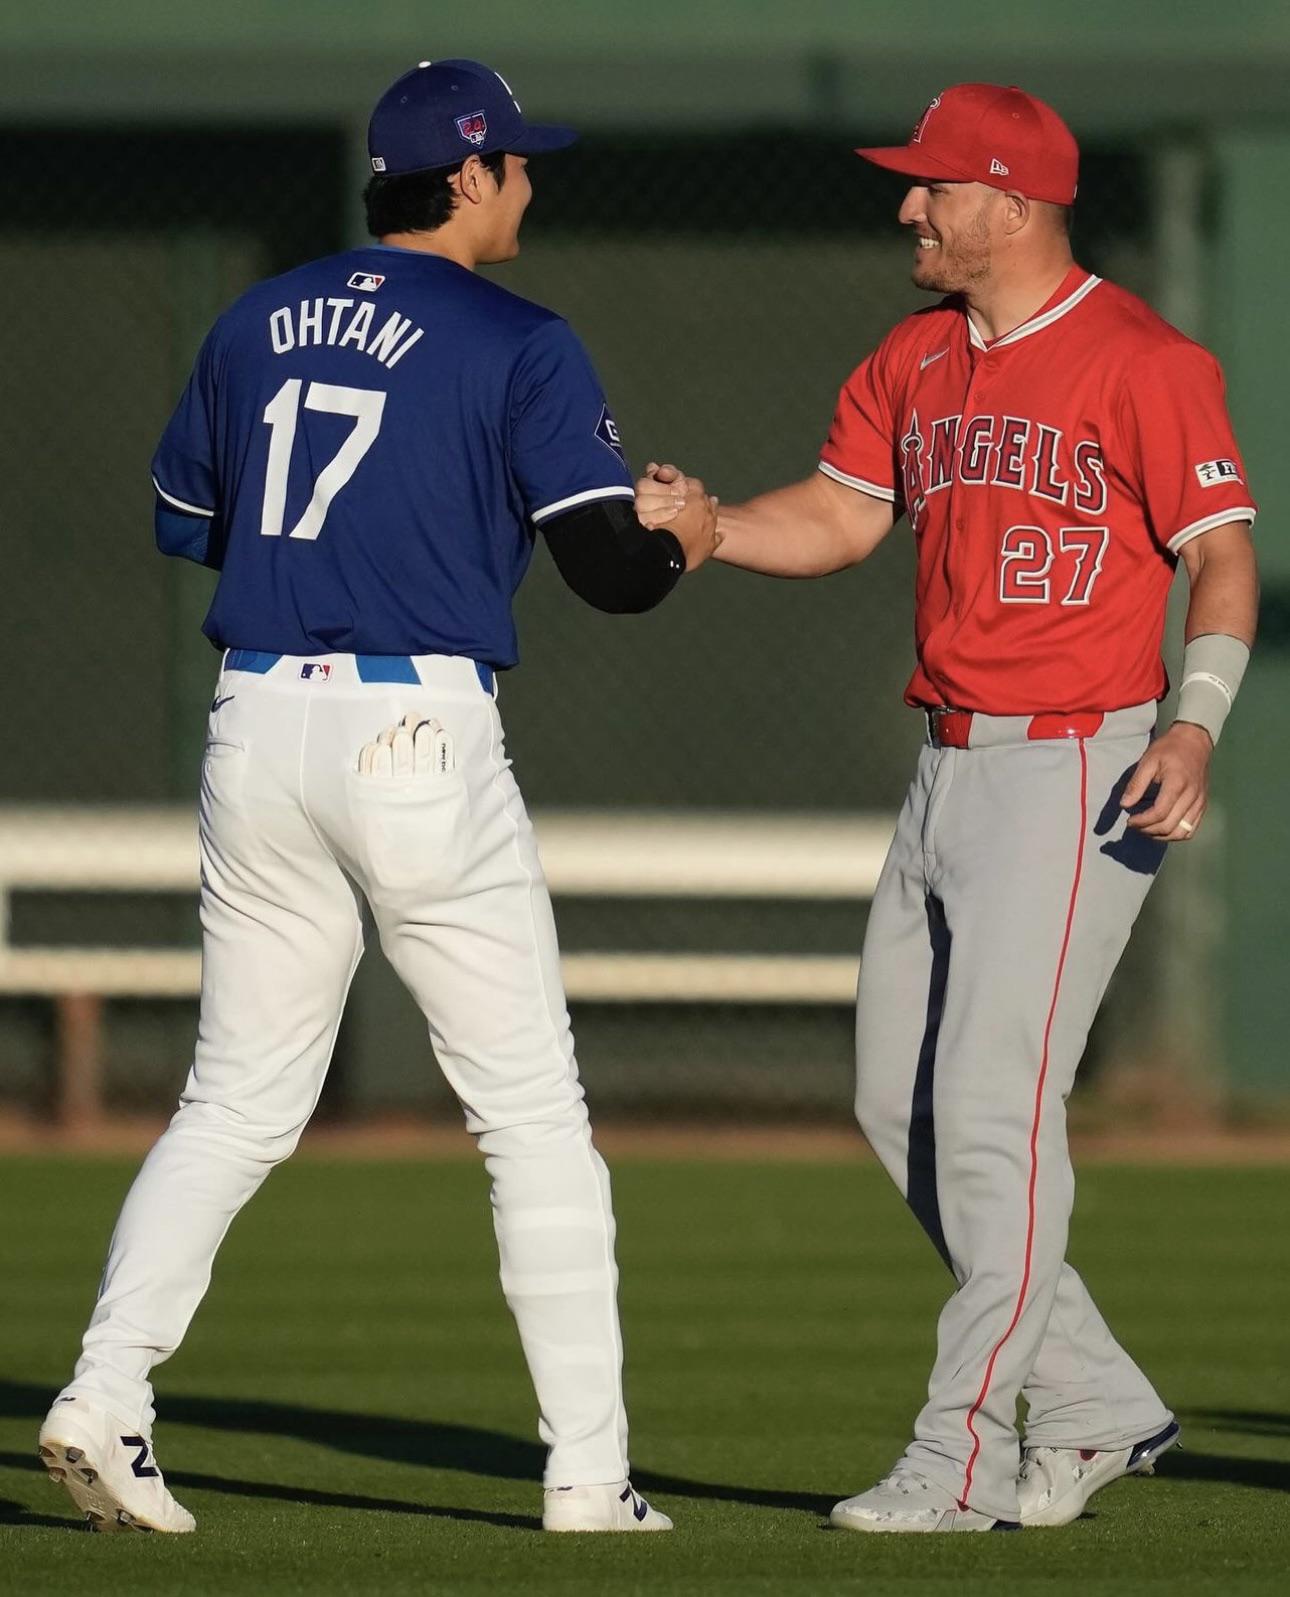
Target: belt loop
{"points": [[487, 679]]}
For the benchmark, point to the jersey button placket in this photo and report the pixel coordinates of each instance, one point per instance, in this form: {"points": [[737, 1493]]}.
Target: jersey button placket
{"points": [[970, 395]]}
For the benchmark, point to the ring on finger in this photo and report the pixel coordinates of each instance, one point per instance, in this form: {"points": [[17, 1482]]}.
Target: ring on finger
{"points": [[1186, 826]]}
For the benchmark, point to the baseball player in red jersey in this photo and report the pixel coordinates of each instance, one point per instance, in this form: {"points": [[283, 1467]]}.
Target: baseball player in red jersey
{"points": [[1057, 448]]}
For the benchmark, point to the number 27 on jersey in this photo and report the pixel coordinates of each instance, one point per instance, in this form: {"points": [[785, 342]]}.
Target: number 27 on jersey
{"points": [[1034, 568]]}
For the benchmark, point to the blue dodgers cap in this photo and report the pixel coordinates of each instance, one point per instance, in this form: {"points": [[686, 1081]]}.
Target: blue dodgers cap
{"points": [[443, 111]]}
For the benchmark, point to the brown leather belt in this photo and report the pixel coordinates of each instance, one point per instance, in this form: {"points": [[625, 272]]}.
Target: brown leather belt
{"points": [[952, 729]]}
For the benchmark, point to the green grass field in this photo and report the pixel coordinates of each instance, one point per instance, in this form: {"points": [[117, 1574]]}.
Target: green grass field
{"points": [[350, 1413]]}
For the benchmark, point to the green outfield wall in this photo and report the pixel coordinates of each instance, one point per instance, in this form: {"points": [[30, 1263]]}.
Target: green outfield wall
{"points": [[727, 261]]}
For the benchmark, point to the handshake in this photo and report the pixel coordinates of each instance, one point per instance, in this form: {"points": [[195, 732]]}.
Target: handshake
{"points": [[666, 497]]}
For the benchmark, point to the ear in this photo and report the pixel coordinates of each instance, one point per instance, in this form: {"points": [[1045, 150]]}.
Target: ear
{"points": [[1016, 211], [471, 180]]}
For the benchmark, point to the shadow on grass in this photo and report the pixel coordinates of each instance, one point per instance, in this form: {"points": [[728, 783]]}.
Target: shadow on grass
{"points": [[15, 1514], [385, 1505], [12, 1513], [426, 1443], [1250, 1422], [1268, 1474]]}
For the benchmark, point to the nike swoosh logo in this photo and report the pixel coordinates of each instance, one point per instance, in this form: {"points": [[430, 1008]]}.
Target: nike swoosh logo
{"points": [[215, 704], [928, 359]]}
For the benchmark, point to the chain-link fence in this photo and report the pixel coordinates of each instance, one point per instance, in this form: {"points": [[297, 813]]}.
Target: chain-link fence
{"points": [[725, 286]]}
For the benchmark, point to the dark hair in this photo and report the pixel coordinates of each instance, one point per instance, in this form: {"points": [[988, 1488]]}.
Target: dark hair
{"points": [[418, 202], [1065, 217]]}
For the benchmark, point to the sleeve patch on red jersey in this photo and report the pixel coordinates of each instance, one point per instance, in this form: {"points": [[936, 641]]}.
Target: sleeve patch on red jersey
{"points": [[1210, 473]]}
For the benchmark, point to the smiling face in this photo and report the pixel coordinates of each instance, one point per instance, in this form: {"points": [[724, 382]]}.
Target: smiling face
{"points": [[958, 227]]}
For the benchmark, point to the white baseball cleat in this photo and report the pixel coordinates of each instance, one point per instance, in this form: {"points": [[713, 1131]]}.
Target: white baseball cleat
{"points": [[906, 1501], [108, 1470], [599, 1508], [1056, 1482]]}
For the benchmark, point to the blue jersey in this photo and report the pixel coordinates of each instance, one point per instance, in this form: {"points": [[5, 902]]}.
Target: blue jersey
{"points": [[364, 449]]}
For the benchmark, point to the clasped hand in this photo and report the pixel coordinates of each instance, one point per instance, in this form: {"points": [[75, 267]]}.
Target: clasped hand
{"points": [[666, 497]]}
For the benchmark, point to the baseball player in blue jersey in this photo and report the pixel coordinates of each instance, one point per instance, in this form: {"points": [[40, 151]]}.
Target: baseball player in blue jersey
{"points": [[363, 452]]}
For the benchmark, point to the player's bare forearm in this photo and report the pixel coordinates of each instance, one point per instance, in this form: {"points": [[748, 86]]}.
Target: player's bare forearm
{"points": [[807, 529], [1224, 577]]}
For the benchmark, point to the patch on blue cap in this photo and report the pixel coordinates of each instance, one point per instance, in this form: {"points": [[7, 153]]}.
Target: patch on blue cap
{"points": [[473, 127]]}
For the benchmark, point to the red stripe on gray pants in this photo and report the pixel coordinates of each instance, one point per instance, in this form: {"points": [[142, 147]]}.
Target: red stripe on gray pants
{"points": [[1034, 1133]]}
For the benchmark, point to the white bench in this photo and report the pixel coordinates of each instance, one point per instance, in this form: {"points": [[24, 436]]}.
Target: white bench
{"points": [[586, 854]]}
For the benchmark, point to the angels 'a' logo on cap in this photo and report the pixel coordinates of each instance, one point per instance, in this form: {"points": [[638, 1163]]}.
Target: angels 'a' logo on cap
{"points": [[916, 137], [473, 127]]}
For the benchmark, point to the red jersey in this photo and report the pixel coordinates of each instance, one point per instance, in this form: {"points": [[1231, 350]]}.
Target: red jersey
{"points": [[1050, 477]]}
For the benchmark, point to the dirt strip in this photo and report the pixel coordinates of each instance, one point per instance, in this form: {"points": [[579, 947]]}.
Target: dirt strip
{"points": [[405, 1138]]}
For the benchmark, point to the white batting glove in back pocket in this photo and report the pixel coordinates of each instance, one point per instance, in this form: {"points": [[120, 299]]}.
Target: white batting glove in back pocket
{"points": [[415, 747], [410, 809]]}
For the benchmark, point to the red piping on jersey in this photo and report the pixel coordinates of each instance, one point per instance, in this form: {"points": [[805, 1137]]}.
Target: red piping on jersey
{"points": [[1034, 1131]]}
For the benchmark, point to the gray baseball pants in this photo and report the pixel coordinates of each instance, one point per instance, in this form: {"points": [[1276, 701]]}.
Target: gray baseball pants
{"points": [[1003, 907]]}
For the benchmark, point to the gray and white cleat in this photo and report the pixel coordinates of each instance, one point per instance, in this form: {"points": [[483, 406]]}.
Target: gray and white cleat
{"points": [[905, 1501], [108, 1470], [1056, 1483]]}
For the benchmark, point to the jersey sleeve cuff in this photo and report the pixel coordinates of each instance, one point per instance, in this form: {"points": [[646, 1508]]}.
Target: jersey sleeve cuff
{"points": [[180, 504], [558, 507], [1220, 518], [862, 485]]}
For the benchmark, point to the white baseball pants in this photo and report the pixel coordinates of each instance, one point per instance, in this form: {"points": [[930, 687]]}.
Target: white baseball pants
{"points": [[1003, 908], [291, 836]]}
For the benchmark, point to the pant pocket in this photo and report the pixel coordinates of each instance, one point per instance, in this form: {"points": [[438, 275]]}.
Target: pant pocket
{"points": [[412, 834], [223, 777]]}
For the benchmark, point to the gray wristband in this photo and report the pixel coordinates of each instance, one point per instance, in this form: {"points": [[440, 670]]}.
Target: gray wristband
{"points": [[1213, 666]]}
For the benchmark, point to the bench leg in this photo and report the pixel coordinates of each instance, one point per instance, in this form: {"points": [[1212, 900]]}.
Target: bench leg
{"points": [[79, 1088]]}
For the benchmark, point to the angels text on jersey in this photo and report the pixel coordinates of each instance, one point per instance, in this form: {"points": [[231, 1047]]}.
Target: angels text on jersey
{"points": [[1001, 452]]}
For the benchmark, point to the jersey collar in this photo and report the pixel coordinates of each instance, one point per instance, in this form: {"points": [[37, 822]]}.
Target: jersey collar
{"points": [[1077, 285]]}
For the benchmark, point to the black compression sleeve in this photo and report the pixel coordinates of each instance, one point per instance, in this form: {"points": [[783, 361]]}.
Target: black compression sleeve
{"points": [[609, 559]]}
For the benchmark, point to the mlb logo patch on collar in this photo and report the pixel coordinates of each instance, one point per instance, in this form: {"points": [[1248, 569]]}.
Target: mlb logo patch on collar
{"points": [[315, 671], [369, 282], [473, 127]]}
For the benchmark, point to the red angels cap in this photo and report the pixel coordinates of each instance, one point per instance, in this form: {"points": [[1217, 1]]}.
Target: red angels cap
{"points": [[982, 133]]}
